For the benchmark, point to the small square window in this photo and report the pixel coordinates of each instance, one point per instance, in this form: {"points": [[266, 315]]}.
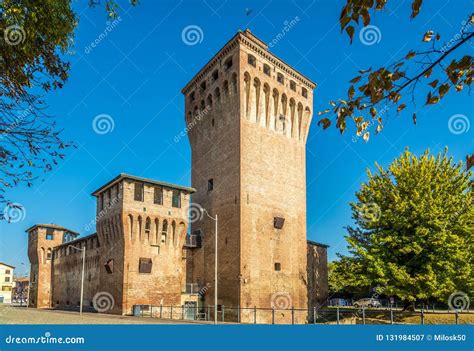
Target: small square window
{"points": [[304, 92], [252, 60], [277, 266], [7, 271], [210, 184], [292, 85], [138, 196], [280, 78], [176, 200], [49, 234], [158, 195], [7, 279], [266, 69], [145, 265]]}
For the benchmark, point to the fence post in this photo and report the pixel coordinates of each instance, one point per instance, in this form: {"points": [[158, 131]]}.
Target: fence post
{"points": [[182, 311], [422, 316], [292, 314], [255, 315], [161, 310], [337, 313], [238, 313], [222, 312], [171, 312], [363, 315], [457, 316], [273, 314]]}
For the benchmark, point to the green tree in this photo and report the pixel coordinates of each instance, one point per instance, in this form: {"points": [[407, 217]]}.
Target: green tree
{"points": [[413, 232], [35, 36], [427, 73]]}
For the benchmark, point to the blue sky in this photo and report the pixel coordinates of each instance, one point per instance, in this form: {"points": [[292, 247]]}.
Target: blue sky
{"points": [[135, 74]]}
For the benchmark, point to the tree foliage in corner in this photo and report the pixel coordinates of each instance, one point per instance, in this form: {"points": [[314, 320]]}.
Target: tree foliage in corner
{"points": [[414, 230], [399, 83], [34, 35]]}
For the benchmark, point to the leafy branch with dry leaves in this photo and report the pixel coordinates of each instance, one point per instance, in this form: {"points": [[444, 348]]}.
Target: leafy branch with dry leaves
{"points": [[372, 91]]}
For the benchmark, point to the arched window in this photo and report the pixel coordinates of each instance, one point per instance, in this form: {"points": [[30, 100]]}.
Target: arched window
{"points": [[42, 258], [304, 92], [234, 83], [280, 78], [48, 254], [130, 226], [147, 229], [140, 234], [209, 101], [217, 94], [157, 231], [164, 232], [225, 88], [173, 231]]}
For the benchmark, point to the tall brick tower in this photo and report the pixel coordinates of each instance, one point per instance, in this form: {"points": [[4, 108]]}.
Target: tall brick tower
{"points": [[42, 238], [248, 115]]}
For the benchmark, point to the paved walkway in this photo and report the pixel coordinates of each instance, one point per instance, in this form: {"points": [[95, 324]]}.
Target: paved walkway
{"points": [[23, 315]]}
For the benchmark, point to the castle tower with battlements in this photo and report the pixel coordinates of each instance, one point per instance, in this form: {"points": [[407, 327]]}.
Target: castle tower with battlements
{"points": [[248, 115]]}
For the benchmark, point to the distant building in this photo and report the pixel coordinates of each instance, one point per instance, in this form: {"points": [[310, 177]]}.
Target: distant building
{"points": [[248, 115], [6, 282], [20, 290]]}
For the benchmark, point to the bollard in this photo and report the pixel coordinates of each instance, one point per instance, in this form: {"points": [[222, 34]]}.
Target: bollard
{"points": [[255, 315], [238, 313], [457, 316], [161, 311], [182, 311], [314, 315], [222, 312], [208, 312], [363, 315], [391, 315], [171, 312], [422, 316], [337, 313], [273, 314]]}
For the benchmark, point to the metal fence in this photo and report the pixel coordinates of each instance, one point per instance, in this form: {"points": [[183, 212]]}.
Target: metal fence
{"points": [[326, 315]]}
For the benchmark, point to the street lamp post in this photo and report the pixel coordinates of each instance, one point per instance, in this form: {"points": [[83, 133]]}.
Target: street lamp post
{"points": [[82, 274], [215, 263]]}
